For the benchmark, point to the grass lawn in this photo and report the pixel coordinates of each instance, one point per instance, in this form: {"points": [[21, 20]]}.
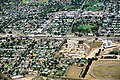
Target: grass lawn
{"points": [[96, 44], [74, 71], [94, 8], [25, 1], [43, 0], [107, 69], [68, 7], [85, 27]]}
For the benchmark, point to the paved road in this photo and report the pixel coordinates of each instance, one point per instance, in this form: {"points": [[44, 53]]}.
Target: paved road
{"points": [[76, 38], [43, 36], [66, 37]]}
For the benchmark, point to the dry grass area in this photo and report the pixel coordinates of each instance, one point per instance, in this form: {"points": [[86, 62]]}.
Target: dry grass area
{"points": [[74, 71], [58, 55], [107, 62], [3, 77], [106, 69], [96, 44], [88, 77]]}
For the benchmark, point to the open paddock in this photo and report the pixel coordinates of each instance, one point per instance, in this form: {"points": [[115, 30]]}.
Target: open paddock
{"points": [[106, 69]]}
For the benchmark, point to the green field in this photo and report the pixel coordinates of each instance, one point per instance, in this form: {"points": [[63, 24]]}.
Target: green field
{"points": [[106, 69], [25, 1], [43, 0], [94, 6], [85, 27]]}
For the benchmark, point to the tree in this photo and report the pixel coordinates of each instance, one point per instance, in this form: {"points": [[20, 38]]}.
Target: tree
{"points": [[108, 35], [0, 52]]}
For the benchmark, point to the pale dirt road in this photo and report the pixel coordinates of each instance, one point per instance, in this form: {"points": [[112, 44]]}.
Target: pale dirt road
{"points": [[30, 77], [93, 52]]}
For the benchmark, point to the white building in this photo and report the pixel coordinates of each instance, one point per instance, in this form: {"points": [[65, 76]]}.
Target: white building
{"points": [[108, 44]]}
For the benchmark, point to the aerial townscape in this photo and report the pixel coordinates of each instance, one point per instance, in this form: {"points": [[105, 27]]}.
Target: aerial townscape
{"points": [[59, 39]]}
